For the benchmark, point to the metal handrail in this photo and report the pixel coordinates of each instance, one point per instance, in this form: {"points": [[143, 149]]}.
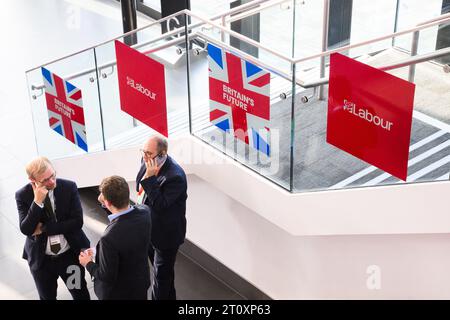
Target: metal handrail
{"points": [[442, 16], [185, 11], [176, 41], [252, 59], [251, 12], [194, 35], [435, 21], [363, 43], [415, 44], [113, 63], [407, 62], [241, 37], [115, 38]]}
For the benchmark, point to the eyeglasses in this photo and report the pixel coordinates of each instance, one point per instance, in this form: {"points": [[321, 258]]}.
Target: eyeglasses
{"points": [[52, 177], [146, 153]]}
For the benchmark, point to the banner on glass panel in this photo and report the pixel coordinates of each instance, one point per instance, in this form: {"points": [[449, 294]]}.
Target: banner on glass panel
{"points": [[65, 109], [142, 87], [239, 94], [370, 114]]}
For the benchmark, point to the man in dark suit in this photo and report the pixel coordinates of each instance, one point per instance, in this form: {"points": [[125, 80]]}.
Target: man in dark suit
{"points": [[121, 269], [161, 184], [51, 217]]}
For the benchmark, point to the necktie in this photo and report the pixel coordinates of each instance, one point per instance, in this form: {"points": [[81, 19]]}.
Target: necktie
{"points": [[48, 208]]}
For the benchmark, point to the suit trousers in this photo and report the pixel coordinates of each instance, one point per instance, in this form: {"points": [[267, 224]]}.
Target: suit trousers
{"points": [[163, 278], [66, 266]]}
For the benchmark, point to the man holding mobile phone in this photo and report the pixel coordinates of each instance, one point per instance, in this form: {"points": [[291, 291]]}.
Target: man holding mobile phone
{"points": [[161, 184], [51, 217]]}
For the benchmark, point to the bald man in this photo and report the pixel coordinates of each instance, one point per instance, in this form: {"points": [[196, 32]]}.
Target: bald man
{"points": [[161, 184]]}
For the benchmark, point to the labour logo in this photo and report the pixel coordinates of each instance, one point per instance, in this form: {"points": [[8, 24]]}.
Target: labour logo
{"points": [[370, 114]]}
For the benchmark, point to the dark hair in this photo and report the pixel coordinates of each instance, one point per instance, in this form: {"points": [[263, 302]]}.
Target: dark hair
{"points": [[115, 189], [161, 144]]}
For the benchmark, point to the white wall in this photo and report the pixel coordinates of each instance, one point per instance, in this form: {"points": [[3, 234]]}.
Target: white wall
{"points": [[315, 267]]}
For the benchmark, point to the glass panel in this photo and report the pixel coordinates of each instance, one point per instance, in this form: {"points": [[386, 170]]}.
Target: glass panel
{"points": [[367, 14], [120, 128], [364, 15], [274, 166], [277, 28], [320, 166], [49, 142], [308, 30], [413, 12]]}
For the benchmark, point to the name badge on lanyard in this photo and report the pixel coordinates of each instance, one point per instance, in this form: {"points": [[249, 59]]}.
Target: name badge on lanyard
{"points": [[55, 243]]}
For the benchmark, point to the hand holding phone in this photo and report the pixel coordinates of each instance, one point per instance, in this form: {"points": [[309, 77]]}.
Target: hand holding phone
{"points": [[153, 165]]}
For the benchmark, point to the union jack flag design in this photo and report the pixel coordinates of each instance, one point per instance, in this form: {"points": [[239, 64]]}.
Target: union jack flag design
{"points": [[65, 109], [239, 94]]}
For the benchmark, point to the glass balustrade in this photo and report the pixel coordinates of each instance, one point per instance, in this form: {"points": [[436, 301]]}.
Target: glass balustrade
{"points": [[65, 79], [319, 165], [235, 101], [252, 97], [122, 129]]}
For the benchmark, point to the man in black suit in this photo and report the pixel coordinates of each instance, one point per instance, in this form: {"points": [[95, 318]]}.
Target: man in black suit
{"points": [[51, 217], [161, 184], [121, 269]]}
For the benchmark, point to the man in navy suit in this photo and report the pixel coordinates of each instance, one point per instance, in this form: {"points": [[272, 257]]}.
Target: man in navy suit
{"points": [[121, 269], [161, 184], [51, 217]]}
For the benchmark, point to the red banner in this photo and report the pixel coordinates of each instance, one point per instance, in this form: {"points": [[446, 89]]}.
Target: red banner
{"points": [[142, 87], [370, 114]]}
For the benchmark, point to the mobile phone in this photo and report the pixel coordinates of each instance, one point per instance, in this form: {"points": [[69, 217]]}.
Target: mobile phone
{"points": [[160, 159]]}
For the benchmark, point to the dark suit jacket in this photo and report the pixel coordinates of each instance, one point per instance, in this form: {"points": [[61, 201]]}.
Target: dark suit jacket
{"points": [[69, 216], [121, 269], [166, 197]]}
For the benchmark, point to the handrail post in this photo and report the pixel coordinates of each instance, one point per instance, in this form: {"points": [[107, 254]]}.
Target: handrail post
{"points": [[102, 124], [188, 72], [414, 48], [397, 6], [222, 33], [292, 132], [129, 20], [326, 8]]}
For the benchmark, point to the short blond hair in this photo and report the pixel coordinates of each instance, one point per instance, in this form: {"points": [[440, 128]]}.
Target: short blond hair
{"points": [[37, 166]]}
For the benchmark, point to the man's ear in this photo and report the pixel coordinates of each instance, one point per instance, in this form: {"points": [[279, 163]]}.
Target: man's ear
{"points": [[33, 182], [107, 203]]}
